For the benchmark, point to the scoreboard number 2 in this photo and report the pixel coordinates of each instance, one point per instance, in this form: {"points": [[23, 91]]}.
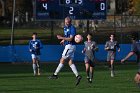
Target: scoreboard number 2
{"points": [[71, 10]]}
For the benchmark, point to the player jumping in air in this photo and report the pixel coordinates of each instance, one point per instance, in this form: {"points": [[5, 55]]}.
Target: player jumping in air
{"points": [[89, 50], [135, 50], [111, 47], [68, 53], [34, 47]]}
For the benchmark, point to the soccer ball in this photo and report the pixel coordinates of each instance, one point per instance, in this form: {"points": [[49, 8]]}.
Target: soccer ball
{"points": [[78, 38]]}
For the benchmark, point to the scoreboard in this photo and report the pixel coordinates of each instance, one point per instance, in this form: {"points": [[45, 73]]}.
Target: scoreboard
{"points": [[76, 9]]}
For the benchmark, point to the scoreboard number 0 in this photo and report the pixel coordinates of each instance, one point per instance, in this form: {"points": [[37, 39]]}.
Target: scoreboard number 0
{"points": [[102, 6]]}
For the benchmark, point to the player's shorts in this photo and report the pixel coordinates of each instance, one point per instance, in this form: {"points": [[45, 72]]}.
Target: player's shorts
{"points": [[111, 55], [35, 56], [69, 51], [89, 61]]}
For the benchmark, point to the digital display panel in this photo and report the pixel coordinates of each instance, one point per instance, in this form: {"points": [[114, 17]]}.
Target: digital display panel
{"points": [[76, 9]]}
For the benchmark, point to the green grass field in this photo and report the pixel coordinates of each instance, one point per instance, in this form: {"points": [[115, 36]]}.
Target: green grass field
{"points": [[18, 78]]}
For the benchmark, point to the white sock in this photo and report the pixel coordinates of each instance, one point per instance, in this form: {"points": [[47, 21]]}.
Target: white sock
{"points": [[73, 68], [34, 68], [59, 67]]}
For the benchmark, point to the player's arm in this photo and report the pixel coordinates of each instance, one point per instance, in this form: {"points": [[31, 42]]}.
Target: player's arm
{"points": [[65, 38], [118, 46], [30, 49], [62, 42], [84, 50], [95, 47], [40, 45], [128, 56], [106, 46], [72, 34]]}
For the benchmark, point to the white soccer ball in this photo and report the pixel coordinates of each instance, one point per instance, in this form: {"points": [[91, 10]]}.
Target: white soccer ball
{"points": [[78, 38]]}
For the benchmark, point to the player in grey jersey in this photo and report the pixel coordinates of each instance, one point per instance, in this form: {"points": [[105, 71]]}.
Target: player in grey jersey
{"points": [[135, 50], [111, 47], [89, 50]]}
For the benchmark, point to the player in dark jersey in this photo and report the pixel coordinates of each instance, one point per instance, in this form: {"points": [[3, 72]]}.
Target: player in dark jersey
{"points": [[111, 47], [89, 50], [135, 50], [34, 47], [68, 53]]}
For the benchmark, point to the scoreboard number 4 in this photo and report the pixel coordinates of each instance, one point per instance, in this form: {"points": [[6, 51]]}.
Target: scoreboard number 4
{"points": [[45, 5]]}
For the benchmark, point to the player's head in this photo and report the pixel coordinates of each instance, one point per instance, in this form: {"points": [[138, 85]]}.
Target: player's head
{"points": [[34, 35], [112, 36], [68, 21], [89, 36]]}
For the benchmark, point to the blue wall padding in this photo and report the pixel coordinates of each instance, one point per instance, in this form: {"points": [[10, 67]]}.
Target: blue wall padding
{"points": [[52, 53]]}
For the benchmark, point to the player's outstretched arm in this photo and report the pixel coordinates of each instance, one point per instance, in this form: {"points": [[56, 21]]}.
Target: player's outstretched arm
{"points": [[128, 56]]}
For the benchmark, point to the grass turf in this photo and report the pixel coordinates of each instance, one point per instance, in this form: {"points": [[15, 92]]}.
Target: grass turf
{"points": [[18, 78]]}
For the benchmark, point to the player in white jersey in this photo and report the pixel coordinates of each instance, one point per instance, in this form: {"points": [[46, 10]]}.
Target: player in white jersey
{"points": [[68, 53], [34, 47], [89, 51]]}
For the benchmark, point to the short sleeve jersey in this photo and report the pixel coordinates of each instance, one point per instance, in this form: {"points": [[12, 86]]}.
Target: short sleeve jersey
{"points": [[69, 31], [90, 47], [33, 44], [112, 45]]}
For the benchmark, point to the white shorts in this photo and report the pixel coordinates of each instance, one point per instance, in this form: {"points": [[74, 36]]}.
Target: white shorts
{"points": [[35, 56], [69, 52]]}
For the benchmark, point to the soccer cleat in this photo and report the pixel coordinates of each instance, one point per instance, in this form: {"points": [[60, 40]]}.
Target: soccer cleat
{"points": [[38, 74], [78, 79], [53, 77], [89, 80]]}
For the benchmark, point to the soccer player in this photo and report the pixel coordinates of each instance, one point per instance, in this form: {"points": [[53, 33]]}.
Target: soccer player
{"points": [[111, 47], [34, 47], [89, 50], [135, 50], [68, 53]]}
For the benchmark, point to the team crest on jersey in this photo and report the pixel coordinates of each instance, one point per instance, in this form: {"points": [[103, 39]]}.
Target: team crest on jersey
{"points": [[36, 42]]}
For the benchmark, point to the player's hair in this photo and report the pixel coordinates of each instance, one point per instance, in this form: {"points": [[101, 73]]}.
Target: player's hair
{"points": [[113, 35], [90, 34], [34, 33], [68, 18], [134, 36]]}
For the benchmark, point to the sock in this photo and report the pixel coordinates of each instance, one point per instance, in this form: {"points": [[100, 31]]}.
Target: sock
{"points": [[34, 68], [112, 67], [73, 67], [59, 67], [91, 75], [88, 76]]}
